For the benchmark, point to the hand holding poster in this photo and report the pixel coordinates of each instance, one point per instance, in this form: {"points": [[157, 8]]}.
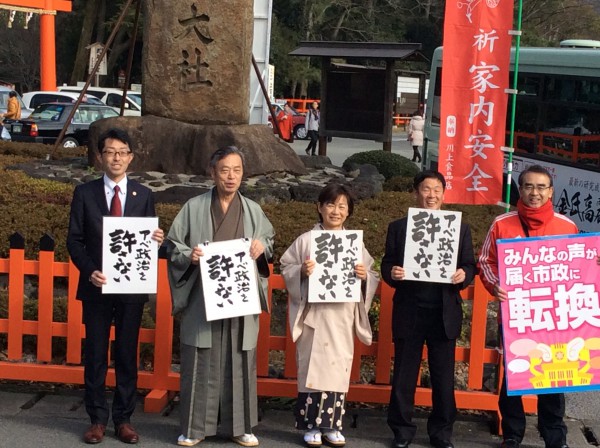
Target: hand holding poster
{"points": [[336, 253], [229, 279], [551, 320], [129, 255], [431, 249]]}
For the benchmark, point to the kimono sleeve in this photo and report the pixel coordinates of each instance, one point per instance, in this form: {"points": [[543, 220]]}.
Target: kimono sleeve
{"points": [[182, 273]]}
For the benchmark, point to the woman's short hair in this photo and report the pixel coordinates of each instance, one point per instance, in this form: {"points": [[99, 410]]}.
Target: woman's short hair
{"points": [[331, 192], [223, 152]]}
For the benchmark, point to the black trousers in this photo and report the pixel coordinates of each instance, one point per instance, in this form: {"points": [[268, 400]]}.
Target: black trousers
{"points": [[416, 154], [551, 411], [98, 317], [429, 329], [314, 139]]}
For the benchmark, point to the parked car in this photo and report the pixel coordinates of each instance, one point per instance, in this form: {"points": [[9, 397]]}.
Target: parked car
{"points": [[34, 99], [112, 97], [297, 121], [47, 120], [4, 91]]}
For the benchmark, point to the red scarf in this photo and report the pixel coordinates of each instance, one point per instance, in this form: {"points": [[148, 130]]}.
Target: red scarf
{"points": [[535, 218]]}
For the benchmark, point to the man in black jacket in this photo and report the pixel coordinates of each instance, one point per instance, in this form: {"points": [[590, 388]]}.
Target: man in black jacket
{"points": [[111, 195], [425, 312]]}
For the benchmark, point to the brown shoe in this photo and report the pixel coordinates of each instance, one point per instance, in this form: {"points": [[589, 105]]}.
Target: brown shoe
{"points": [[95, 433], [126, 433]]}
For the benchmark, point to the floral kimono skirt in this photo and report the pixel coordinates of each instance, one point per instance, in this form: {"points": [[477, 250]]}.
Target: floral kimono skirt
{"points": [[320, 410]]}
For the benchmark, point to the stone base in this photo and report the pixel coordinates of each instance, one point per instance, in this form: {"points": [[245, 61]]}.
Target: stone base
{"points": [[170, 146]]}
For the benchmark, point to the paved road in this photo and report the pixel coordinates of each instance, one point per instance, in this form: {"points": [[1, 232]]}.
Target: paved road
{"points": [[339, 149], [30, 419]]}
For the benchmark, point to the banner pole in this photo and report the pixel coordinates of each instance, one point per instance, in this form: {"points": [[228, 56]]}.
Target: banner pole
{"points": [[513, 106]]}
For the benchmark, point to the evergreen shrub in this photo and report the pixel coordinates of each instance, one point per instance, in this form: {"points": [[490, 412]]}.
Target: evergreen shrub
{"points": [[388, 164], [399, 183], [34, 207]]}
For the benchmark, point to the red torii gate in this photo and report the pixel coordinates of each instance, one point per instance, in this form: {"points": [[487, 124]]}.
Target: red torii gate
{"points": [[47, 10]]}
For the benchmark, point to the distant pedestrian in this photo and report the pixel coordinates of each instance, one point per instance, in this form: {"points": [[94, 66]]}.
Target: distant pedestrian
{"points": [[312, 127], [13, 107], [415, 134], [285, 119]]}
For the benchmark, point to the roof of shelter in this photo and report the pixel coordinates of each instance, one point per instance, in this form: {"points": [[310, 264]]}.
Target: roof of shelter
{"points": [[373, 50], [398, 71]]}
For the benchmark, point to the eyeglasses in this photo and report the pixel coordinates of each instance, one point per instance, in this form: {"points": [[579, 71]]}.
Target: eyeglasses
{"points": [[112, 154], [529, 188]]}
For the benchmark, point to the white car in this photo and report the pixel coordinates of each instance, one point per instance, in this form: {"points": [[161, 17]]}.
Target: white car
{"points": [[34, 99], [112, 97]]}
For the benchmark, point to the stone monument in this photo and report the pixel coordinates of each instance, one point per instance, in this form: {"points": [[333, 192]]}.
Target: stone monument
{"points": [[197, 65], [197, 60]]}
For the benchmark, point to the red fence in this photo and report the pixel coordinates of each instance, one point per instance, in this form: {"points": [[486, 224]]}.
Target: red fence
{"points": [[163, 381]]}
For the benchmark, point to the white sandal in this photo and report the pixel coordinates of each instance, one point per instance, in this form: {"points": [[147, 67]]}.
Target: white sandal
{"points": [[334, 438], [246, 440], [313, 437], [184, 441]]}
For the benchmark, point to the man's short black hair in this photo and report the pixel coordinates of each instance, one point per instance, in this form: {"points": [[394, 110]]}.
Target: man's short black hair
{"points": [[428, 174], [538, 169], [114, 134]]}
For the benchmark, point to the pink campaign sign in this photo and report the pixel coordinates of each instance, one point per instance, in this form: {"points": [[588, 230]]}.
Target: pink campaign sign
{"points": [[551, 320]]}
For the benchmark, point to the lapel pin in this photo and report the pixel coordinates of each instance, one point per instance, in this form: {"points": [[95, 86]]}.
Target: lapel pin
{"points": [[134, 193]]}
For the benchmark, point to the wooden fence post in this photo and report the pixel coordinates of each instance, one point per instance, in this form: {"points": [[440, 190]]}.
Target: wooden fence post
{"points": [[16, 292], [45, 298]]}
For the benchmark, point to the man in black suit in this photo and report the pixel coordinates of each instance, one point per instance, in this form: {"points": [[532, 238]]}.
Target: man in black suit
{"points": [[428, 313], [111, 195]]}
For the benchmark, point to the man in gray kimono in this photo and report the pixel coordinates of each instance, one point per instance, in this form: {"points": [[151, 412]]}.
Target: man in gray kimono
{"points": [[218, 358]]}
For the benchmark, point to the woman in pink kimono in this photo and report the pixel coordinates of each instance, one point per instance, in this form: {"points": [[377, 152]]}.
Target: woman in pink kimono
{"points": [[324, 332]]}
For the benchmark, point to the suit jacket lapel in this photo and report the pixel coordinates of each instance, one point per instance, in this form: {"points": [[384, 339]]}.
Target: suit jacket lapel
{"points": [[132, 197], [100, 196]]}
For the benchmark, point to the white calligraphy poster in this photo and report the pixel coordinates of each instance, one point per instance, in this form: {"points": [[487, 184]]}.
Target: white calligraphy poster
{"points": [[229, 279], [129, 255], [335, 253], [431, 248]]}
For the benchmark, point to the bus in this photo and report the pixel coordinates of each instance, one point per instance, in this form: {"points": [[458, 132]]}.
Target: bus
{"points": [[557, 125]]}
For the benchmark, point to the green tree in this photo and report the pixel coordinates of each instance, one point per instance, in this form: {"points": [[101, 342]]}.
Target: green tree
{"points": [[90, 16], [95, 20], [344, 20], [547, 22], [19, 54]]}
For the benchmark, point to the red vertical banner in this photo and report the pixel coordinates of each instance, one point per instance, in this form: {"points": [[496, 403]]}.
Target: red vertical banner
{"points": [[476, 61]]}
